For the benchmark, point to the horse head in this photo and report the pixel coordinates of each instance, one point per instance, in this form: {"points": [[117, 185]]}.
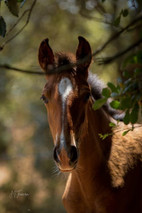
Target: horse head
{"points": [[66, 96]]}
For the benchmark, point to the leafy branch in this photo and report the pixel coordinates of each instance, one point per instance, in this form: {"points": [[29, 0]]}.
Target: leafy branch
{"points": [[65, 67], [100, 49], [116, 35], [13, 7], [125, 131], [126, 95], [108, 60]]}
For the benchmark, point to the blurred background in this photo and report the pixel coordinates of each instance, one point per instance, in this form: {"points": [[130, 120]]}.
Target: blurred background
{"points": [[29, 180]]}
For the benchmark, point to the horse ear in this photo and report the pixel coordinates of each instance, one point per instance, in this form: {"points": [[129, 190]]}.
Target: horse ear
{"points": [[83, 55], [45, 56]]}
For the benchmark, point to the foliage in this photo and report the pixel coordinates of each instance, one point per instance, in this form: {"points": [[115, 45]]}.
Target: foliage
{"points": [[2, 27], [13, 6], [123, 13], [126, 95]]}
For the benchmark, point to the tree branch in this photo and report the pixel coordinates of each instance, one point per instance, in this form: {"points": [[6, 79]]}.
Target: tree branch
{"points": [[29, 11], [62, 68], [100, 61], [116, 35], [9, 67], [108, 60]]}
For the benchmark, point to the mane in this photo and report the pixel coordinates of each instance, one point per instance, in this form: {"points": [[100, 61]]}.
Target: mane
{"points": [[65, 59]]}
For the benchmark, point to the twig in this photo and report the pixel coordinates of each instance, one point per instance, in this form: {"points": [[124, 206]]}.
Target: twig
{"points": [[129, 128], [53, 70], [24, 13], [22, 28], [66, 67], [8, 67], [116, 35], [138, 26], [118, 129], [108, 60], [100, 61]]}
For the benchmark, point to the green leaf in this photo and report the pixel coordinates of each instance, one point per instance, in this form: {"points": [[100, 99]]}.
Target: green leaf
{"points": [[138, 72], [139, 57], [2, 27], [134, 114], [99, 103], [112, 87], [106, 92], [13, 7], [103, 137], [133, 60], [125, 132], [126, 103], [111, 124], [126, 74], [127, 117], [125, 12], [115, 104], [117, 21]]}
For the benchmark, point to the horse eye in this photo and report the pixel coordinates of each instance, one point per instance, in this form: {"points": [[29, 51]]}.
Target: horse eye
{"points": [[44, 99], [86, 97]]}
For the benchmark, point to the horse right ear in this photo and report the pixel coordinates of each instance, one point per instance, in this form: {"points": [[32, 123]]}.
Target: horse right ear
{"points": [[83, 56], [45, 56]]}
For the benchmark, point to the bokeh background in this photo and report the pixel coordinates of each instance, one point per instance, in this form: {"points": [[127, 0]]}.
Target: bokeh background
{"points": [[29, 179]]}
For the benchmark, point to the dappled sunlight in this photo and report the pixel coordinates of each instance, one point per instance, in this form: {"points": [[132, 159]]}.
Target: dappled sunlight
{"points": [[5, 174], [29, 179]]}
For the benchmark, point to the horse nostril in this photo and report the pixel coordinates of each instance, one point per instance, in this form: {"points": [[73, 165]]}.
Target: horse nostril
{"points": [[73, 155], [55, 155]]}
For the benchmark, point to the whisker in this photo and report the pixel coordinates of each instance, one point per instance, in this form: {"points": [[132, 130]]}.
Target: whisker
{"points": [[56, 171]]}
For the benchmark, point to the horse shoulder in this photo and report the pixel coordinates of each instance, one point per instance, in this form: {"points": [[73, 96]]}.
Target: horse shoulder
{"points": [[126, 152]]}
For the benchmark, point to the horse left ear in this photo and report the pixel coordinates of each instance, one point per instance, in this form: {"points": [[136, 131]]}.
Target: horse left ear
{"points": [[46, 56], [83, 55]]}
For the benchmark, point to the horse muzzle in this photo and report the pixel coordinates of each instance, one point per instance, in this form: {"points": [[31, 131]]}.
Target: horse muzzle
{"points": [[66, 159]]}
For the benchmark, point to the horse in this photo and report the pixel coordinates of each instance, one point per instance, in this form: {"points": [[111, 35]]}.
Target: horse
{"points": [[105, 176]]}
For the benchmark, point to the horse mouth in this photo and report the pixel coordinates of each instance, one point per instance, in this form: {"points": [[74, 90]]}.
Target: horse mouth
{"points": [[67, 170]]}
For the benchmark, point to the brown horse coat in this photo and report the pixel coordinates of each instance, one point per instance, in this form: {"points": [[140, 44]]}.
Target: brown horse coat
{"points": [[105, 176]]}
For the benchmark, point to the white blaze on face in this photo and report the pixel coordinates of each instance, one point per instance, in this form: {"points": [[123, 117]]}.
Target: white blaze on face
{"points": [[65, 88]]}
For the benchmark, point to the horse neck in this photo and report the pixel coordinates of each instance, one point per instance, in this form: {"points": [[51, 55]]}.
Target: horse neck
{"points": [[93, 150]]}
